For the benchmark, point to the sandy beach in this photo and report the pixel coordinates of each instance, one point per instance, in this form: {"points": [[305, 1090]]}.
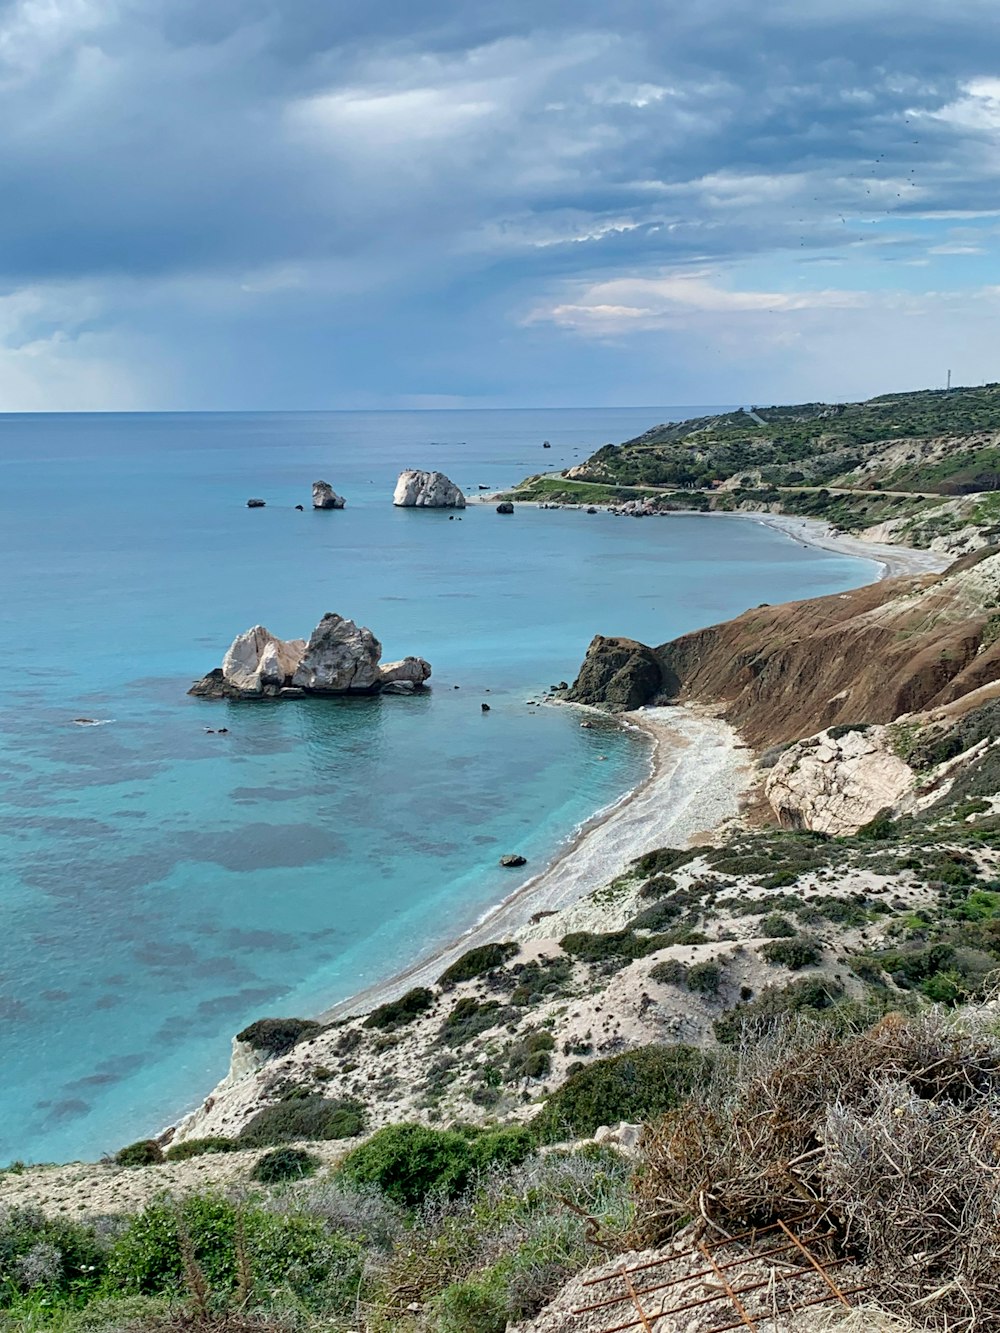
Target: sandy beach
{"points": [[699, 769]]}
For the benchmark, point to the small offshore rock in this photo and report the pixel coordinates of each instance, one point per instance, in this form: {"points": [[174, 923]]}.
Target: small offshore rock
{"points": [[505, 507], [546, 445], [485, 707], [256, 504], [300, 508], [513, 859], [591, 510], [325, 497], [426, 490]]}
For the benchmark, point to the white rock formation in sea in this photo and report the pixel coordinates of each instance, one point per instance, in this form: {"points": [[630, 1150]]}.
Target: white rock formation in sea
{"points": [[325, 497], [339, 658], [835, 783], [427, 490], [258, 659]]}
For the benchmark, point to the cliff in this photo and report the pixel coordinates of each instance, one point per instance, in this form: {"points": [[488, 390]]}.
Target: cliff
{"points": [[867, 656]]}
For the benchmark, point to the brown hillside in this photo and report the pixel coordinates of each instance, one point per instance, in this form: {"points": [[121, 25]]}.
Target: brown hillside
{"points": [[899, 646]]}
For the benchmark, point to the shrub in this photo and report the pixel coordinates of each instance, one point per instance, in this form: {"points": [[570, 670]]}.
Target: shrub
{"points": [[809, 995], [800, 952], [658, 887], [285, 1164], [633, 1086], [529, 1057], [399, 1012], [659, 916], [502, 1147], [180, 1152], [705, 978], [540, 980], [663, 860], [39, 1253], [617, 947], [671, 972], [409, 1162], [313, 1117], [775, 926], [145, 1152], [476, 962], [277, 1036], [469, 1018], [279, 1250]]}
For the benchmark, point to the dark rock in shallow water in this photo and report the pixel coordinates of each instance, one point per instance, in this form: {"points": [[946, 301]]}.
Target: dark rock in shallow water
{"points": [[617, 674], [513, 859], [212, 686], [485, 707], [256, 504], [505, 507]]}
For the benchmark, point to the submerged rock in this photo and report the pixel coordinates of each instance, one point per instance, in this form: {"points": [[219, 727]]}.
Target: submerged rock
{"points": [[427, 490], [339, 658], [618, 674], [325, 497]]}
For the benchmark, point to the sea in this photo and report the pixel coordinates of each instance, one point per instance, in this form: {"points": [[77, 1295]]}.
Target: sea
{"points": [[179, 867]]}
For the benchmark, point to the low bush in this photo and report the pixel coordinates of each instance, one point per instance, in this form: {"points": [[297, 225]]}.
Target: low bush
{"points": [[633, 1086], [234, 1246], [145, 1152], [399, 1012], [540, 980], [52, 1256], [313, 1117], [671, 972], [809, 995], [285, 1164], [660, 916], [775, 926], [663, 860], [180, 1152], [409, 1162], [658, 887], [704, 978], [277, 1036], [469, 1018], [477, 962], [794, 954], [529, 1057], [615, 947]]}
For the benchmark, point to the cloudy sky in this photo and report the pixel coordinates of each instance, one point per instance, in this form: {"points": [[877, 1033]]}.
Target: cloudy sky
{"points": [[400, 203]]}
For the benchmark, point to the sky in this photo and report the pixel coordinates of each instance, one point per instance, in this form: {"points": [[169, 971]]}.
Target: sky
{"points": [[302, 204]]}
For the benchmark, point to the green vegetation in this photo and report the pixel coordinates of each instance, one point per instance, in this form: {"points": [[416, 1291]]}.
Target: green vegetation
{"points": [[397, 1013], [614, 949], [408, 1163], [795, 954], [309, 1117], [146, 1152], [285, 1164], [809, 996], [633, 1086], [277, 1036], [477, 962]]}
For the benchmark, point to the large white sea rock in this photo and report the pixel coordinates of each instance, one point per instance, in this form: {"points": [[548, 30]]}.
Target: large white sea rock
{"points": [[340, 657], [427, 490], [259, 659], [325, 497]]}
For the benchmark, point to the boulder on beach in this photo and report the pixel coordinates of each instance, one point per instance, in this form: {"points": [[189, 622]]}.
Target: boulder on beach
{"points": [[505, 507], [427, 490], [340, 657], [325, 497]]}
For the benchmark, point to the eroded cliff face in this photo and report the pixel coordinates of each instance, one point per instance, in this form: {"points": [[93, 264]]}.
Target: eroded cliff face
{"points": [[870, 655]]}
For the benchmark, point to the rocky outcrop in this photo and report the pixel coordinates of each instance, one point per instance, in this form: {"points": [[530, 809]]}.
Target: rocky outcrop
{"points": [[505, 507], [837, 781], [258, 659], [427, 490], [618, 674], [339, 658], [325, 497], [903, 645]]}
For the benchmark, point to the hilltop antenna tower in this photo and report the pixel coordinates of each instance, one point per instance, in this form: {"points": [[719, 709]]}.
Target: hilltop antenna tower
{"points": [[948, 387]]}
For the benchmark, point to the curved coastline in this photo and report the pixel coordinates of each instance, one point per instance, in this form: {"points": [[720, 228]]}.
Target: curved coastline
{"points": [[699, 770]]}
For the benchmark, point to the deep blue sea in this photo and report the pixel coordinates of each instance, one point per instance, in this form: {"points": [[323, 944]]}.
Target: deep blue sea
{"points": [[161, 886]]}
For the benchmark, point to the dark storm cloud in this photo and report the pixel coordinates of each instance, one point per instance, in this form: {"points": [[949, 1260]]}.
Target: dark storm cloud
{"points": [[261, 166]]}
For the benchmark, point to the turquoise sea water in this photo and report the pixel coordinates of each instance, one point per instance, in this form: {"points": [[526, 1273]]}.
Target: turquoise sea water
{"points": [[161, 886]]}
